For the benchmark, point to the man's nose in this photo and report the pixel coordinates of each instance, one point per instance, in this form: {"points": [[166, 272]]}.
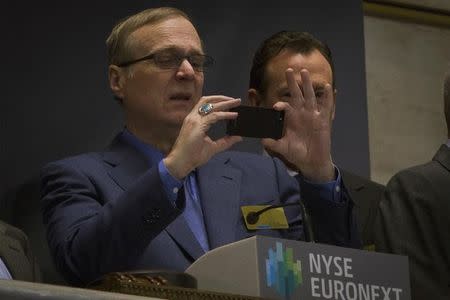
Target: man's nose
{"points": [[185, 70]]}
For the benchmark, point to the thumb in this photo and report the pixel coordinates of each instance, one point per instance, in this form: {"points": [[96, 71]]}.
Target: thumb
{"points": [[272, 145], [226, 142]]}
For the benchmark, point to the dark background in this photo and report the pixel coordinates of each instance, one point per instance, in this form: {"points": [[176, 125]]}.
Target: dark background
{"points": [[57, 101]]}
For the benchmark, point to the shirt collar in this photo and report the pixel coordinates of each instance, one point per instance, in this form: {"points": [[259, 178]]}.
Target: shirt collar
{"points": [[153, 155]]}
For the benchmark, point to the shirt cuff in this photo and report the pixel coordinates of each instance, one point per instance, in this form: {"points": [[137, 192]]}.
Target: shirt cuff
{"points": [[329, 190], [171, 184]]}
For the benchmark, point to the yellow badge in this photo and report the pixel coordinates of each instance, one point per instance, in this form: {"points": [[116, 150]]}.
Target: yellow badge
{"points": [[255, 219]]}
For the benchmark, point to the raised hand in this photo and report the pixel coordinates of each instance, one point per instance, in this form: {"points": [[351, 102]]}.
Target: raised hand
{"points": [[193, 146], [306, 143]]}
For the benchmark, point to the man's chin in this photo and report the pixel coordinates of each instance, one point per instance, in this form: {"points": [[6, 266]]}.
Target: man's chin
{"points": [[176, 120]]}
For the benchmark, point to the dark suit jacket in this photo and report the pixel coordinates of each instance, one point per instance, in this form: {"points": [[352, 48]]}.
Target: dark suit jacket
{"points": [[16, 254], [108, 211], [366, 196], [414, 220]]}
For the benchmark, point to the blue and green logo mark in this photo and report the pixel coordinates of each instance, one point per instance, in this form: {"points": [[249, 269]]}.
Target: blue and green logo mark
{"points": [[282, 272]]}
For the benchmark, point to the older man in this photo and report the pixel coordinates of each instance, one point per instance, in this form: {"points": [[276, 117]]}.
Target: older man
{"points": [[162, 194], [413, 219]]}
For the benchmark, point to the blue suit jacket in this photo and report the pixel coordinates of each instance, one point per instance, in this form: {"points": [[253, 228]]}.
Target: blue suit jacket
{"points": [[108, 211]]}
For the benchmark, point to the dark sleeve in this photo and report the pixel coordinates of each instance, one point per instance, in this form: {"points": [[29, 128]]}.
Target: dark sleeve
{"points": [[366, 196], [332, 221], [411, 221], [90, 236]]}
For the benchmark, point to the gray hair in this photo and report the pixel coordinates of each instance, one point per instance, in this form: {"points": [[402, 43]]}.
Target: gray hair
{"points": [[118, 43]]}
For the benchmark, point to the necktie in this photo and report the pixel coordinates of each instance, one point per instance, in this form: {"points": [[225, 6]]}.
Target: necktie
{"points": [[193, 212]]}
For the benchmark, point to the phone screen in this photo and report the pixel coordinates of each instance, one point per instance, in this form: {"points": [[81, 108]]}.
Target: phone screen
{"points": [[256, 122]]}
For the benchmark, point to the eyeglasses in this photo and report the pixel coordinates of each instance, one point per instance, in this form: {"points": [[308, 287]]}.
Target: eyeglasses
{"points": [[169, 60]]}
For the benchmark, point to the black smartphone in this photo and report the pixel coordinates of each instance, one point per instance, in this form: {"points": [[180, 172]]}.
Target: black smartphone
{"points": [[256, 122]]}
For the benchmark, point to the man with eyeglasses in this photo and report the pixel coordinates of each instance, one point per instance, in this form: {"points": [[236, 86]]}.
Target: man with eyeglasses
{"points": [[164, 193]]}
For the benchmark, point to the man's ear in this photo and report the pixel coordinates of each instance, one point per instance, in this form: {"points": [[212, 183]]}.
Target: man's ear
{"points": [[254, 98], [116, 77]]}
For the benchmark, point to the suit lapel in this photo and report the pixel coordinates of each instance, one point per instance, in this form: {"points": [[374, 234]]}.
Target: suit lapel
{"points": [[127, 164], [14, 259], [353, 185], [219, 186], [443, 157], [180, 231], [351, 182]]}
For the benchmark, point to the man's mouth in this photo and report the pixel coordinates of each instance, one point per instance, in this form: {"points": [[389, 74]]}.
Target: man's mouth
{"points": [[181, 96]]}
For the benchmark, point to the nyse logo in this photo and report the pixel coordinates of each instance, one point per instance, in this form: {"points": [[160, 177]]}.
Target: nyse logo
{"points": [[283, 272]]}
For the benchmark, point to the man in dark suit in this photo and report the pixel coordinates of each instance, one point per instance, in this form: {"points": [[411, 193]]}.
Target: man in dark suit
{"points": [[301, 51], [413, 219], [16, 259], [164, 193]]}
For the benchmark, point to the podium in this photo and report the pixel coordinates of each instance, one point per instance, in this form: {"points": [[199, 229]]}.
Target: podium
{"points": [[284, 269], [22, 290]]}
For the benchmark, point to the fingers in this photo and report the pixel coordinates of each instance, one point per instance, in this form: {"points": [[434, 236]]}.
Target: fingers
{"points": [[220, 111], [219, 103], [226, 104], [296, 94], [202, 121], [275, 146], [281, 105], [213, 99], [218, 116], [305, 95], [308, 90], [226, 142]]}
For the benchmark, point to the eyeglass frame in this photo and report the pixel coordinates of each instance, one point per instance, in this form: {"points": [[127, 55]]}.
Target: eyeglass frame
{"points": [[180, 58]]}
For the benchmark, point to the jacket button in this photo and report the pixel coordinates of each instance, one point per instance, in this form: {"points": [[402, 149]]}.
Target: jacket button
{"points": [[152, 217]]}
